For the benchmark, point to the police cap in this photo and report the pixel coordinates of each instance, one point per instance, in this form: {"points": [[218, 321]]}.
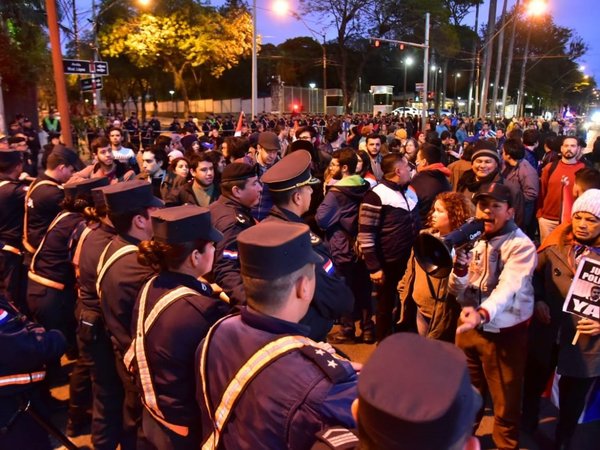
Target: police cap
{"points": [[76, 188], [291, 172], [130, 196], [183, 224], [415, 394], [274, 249], [98, 197], [237, 172]]}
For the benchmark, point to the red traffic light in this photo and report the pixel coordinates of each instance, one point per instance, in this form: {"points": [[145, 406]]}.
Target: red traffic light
{"points": [[377, 43], [295, 107], [401, 46]]}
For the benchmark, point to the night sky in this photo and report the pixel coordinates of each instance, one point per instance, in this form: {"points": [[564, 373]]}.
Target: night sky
{"points": [[580, 15]]}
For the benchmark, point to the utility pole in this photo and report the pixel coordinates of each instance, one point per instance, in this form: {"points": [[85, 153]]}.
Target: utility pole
{"points": [[487, 62], [511, 47], [59, 76], [521, 93], [473, 62], [499, 60], [324, 77]]}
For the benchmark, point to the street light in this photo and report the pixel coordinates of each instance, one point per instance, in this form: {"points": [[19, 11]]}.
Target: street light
{"points": [[312, 87], [456, 77], [408, 61], [173, 104]]}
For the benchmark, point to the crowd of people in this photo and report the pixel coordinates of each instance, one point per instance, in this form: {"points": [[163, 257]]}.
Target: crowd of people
{"points": [[194, 277]]}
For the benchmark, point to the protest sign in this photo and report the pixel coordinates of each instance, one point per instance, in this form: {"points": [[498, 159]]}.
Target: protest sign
{"points": [[583, 298]]}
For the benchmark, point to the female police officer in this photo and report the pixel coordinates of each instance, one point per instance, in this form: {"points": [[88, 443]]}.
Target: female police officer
{"points": [[172, 314]]}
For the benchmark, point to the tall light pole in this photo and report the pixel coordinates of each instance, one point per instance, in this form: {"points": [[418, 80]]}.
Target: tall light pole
{"points": [[172, 92], [254, 67], [456, 77], [408, 61]]}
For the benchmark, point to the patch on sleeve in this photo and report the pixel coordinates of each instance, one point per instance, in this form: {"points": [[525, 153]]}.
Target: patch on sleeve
{"points": [[328, 267], [338, 438], [230, 254], [3, 316], [332, 366]]}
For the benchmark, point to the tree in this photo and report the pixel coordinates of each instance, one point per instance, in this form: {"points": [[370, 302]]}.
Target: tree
{"points": [[199, 37]]}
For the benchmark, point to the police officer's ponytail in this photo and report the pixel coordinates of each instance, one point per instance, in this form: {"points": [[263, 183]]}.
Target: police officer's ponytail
{"points": [[161, 256]]}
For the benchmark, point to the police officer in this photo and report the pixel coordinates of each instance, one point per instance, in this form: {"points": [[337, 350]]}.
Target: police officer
{"points": [[120, 278], [181, 312], [260, 367], [230, 214], [93, 343], [290, 184], [413, 394], [45, 194], [12, 199], [51, 285], [26, 348]]}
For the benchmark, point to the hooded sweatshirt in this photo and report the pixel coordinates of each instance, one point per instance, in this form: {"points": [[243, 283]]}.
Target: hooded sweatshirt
{"points": [[338, 217]]}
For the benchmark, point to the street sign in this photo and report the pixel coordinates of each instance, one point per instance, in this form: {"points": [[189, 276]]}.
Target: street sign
{"points": [[80, 67], [99, 68], [87, 84], [419, 86], [76, 66]]}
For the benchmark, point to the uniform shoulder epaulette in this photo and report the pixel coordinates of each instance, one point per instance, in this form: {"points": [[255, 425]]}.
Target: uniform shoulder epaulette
{"points": [[336, 438], [331, 366]]}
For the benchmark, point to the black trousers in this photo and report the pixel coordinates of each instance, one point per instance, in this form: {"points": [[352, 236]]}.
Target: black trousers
{"points": [[387, 297], [11, 278], [165, 439], [357, 278], [571, 398], [97, 356]]}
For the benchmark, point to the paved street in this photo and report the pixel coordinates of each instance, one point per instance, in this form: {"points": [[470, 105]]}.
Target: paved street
{"points": [[361, 352]]}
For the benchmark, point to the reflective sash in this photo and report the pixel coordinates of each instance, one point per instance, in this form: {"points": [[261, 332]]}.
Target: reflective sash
{"points": [[36, 277], [22, 378], [11, 249], [136, 350], [104, 266], [4, 183], [30, 248], [257, 362], [87, 230]]}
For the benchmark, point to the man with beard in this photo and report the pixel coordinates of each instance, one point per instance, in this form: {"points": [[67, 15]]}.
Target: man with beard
{"points": [[267, 154], [106, 165], [154, 162], [551, 183], [552, 331], [374, 151], [202, 191]]}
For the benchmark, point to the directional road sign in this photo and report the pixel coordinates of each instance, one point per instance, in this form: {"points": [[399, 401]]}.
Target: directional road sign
{"points": [[87, 84], [80, 67]]}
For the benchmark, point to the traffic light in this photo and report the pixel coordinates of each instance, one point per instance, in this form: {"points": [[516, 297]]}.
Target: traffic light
{"points": [[401, 46], [377, 43]]}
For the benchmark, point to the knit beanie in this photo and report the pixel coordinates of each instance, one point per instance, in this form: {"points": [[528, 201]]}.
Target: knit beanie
{"points": [[483, 147], [588, 202], [400, 133]]}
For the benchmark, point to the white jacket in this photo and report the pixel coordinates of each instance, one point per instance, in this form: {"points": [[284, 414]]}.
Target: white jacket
{"points": [[499, 278]]}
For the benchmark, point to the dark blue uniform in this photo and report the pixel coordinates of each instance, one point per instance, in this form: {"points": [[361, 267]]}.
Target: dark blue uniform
{"points": [[51, 293], [230, 218], [12, 199], [43, 204], [119, 289], [95, 347], [25, 348], [333, 297], [290, 400], [169, 348]]}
